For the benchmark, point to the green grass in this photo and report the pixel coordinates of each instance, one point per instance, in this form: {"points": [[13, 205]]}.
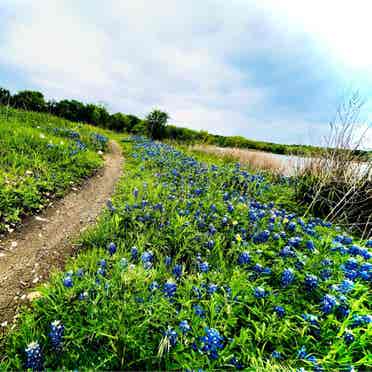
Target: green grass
{"points": [[200, 209], [40, 159]]}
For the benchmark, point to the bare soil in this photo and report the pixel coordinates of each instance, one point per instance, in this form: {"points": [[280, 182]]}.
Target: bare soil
{"points": [[45, 241]]}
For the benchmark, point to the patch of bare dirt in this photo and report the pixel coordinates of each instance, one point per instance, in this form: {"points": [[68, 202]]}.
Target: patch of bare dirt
{"points": [[45, 241]]}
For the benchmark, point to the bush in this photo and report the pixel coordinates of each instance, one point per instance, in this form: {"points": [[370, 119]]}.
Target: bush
{"points": [[29, 100]]}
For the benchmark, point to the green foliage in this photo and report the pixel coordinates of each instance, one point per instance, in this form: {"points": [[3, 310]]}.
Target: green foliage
{"points": [[4, 96], [40, 157], [167, 203], [156, 122], [29, 100]]}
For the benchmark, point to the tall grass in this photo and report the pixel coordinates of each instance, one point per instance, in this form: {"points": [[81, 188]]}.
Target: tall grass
{"points": [[337, 183], [255, 160]]}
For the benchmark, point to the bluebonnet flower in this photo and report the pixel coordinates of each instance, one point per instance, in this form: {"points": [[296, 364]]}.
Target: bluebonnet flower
{"points": [[328, 303], [196, 292], [212, 342], [369, 243], [153, 286], [199, 311], [348, 337], [311, 282], [168, 261], [258, 268], [212, 288], [291, 226], [287, 277], [244, 258], [287, 252], [135, 192], [310, 245], [83, 296], [346, 286], [343, 311], [224, 221], [171, 335], [204, 267], [325, 274], [134, 253], [170, 289], [235, 362], [276, 236], [276, 354], [80, 273], [112, 248], [280, 311], [184, 326], [360, 320], [347, 240], [101, 271], [326, 262], [56, 334], [67, 282], [351, 264], [177, 271], [302, 354], [34, 357], [259, 292], [102, 263], [147, 256], [210, 244]]}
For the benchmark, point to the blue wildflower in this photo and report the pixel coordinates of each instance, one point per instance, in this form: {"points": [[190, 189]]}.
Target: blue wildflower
{"points": [[204, 267], [199, 311], [168, 261], [153, 286], [212, 342], [348, 337], [177, 271], [171, 335], [302, 354], [56, 334], [280, 311], [328, 303], [67, 282], [259, 292], [287, 277], [244, 258], [134, 253], [34, 357], [184, 326], [170, 289], [276, 354], [311, 282], [112, 248], [212, 288]]}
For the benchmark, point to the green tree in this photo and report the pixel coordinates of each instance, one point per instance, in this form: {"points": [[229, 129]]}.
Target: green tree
{"points": [[156, 123], [5, 96], [29, 100]]}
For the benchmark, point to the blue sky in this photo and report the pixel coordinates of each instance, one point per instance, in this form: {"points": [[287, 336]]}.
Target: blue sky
{"points": [[268, 70]]}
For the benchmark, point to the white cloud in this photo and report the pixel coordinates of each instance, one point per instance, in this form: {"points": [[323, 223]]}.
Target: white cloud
{"points": [[176, 55]]}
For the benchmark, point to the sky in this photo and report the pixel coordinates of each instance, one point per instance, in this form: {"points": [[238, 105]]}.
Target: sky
{"points": [[274, 70]]}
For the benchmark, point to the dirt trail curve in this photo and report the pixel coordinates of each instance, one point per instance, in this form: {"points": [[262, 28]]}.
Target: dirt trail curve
{"points": [[28, 254]]}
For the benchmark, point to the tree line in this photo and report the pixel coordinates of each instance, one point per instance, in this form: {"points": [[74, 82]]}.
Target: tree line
{"points": [[154, 125]]}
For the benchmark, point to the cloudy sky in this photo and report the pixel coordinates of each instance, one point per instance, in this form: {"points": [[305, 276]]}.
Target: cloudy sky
{"points": [[269, 70]]}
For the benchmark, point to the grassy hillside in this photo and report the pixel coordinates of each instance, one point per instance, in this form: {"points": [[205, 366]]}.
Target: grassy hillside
{"points": [[40, 157], [198, 263]]}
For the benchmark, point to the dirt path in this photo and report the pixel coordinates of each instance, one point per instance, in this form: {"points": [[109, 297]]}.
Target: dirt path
{"points": [[27, 255]]}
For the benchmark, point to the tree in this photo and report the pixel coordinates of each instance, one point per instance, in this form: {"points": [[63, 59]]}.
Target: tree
{"points": [[156, 123], [119, 122], [5, 96], [29, 100]]}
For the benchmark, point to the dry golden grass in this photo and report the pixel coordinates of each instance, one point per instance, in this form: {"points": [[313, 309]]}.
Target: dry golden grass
{"points": [[256, 160]]}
